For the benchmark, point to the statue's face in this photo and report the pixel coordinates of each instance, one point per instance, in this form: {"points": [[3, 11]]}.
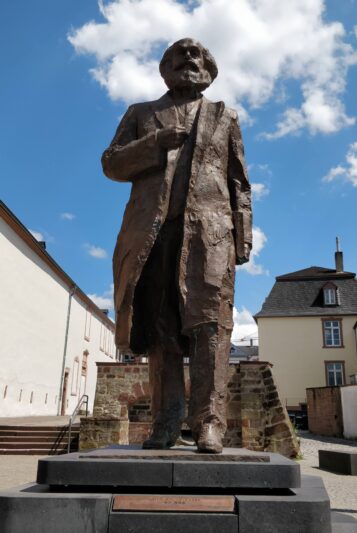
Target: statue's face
{"points": [[186, 66]]}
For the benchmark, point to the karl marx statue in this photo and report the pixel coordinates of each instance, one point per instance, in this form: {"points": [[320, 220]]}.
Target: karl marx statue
{"points": [[186, 225]]}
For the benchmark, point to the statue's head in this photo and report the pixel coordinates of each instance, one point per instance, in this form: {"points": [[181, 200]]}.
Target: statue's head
{"points": [[187, 63]]}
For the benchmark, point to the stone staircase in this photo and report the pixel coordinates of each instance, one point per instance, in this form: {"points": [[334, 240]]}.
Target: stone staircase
{"points": [[37, 440]]}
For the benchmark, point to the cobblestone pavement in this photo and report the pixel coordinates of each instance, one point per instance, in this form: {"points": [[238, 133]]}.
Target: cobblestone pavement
{"points": [[17, 470], [341, 489]]}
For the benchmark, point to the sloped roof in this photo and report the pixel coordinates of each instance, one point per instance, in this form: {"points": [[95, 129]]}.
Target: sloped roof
{"points": [[17, 226], [315, 272], [299, 294]]}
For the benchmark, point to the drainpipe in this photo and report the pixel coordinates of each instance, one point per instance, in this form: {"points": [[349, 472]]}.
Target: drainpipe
{"points": [[70, 295]]}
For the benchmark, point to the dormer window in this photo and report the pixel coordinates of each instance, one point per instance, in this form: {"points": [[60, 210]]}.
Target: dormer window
{"points": [[330, 294]]}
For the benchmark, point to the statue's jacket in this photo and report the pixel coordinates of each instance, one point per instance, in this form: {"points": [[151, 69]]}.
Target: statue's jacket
{"points": [[217, 218]]}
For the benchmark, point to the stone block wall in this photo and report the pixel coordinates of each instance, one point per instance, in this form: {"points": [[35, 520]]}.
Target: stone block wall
{"points": [[324, 411], [120, 385], [96, 432], [256, 419]]}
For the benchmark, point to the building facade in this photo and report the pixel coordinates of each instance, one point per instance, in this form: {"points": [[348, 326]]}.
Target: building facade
{"points": [[52, 334], [307, 330]]}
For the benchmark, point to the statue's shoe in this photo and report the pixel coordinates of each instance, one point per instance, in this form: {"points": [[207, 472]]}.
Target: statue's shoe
{"points": [[210, 439], [158, 441]]}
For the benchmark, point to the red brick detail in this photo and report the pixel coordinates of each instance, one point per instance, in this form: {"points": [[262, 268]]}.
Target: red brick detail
{"points": [[325, 411]]}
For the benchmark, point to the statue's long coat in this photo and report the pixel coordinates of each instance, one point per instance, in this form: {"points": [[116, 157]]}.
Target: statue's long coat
{"points": [[217, 214]]}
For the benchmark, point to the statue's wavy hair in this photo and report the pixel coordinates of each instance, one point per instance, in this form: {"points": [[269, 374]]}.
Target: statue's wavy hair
{"points": [[209, 61]]}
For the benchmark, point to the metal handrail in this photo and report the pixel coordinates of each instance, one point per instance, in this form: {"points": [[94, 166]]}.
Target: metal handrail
{"points": [[84, 399]]}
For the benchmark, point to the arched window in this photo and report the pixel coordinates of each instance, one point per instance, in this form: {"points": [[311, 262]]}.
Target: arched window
{"points": [[75, 375]]}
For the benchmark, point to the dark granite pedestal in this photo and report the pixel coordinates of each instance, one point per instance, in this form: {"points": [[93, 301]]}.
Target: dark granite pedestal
{"points": [[337, 461], [123, 489]]}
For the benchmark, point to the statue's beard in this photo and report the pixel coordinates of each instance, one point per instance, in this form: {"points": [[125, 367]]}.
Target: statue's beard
{"points": [[188, 77]]}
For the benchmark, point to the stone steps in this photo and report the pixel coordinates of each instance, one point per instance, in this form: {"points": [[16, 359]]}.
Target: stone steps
{"points": [[37, 440]]}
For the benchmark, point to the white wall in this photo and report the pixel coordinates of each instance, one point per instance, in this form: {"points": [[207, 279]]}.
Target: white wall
{"points": [[97, 340], [349, 411], [33, 312]]}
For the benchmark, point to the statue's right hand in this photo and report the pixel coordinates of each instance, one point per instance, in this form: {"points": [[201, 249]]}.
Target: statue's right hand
{"points": [[172, 137]]}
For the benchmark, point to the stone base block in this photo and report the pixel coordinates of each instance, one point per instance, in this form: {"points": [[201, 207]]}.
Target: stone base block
{"points": [[172, 522], [126, 489], [340, 462], [38, 509], [34, 509], [181, 467], [303, 510]]}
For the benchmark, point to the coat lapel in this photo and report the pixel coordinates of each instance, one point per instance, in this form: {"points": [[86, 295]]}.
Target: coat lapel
{"points": [[208, 120], [166, 113]]}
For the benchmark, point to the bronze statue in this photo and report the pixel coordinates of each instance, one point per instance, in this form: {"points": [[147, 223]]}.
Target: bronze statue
{"points": [[186, 225]]}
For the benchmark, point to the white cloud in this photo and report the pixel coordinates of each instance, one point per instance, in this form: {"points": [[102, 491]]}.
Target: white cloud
{"points": [[244, 325], [67, 216], [292, 122], [259, 190], [96, 251], [38, 236], [105, 300], [259, 45], [321, 112], [252, 267], [348, 172]]}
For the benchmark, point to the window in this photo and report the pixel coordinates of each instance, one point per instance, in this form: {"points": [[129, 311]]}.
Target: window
{"points": [[330, 296], [84, 363], [105, 341], [332, 333], [102, 339], [111, 346], [335, 373], [75, 374], [87, 325]]}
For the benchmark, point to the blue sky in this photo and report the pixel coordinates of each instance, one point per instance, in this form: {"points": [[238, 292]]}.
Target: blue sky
{"points": [[69, 70]]}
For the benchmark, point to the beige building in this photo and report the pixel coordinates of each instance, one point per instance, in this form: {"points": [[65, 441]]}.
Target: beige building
{"points": [[307, 329], [51, 333]]}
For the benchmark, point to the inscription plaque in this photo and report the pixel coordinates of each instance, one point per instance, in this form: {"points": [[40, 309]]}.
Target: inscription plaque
{"points": [[173, 503]]}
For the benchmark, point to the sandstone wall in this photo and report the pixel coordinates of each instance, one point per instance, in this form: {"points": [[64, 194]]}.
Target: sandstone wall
{"points": [[256, 419]]}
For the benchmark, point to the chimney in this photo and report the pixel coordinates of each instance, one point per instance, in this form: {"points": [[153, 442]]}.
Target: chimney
{"points": [[338, 257], [42, 244]]}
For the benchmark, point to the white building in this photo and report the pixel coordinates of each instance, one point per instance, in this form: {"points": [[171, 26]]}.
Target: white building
{"points": [[51, 333]]}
